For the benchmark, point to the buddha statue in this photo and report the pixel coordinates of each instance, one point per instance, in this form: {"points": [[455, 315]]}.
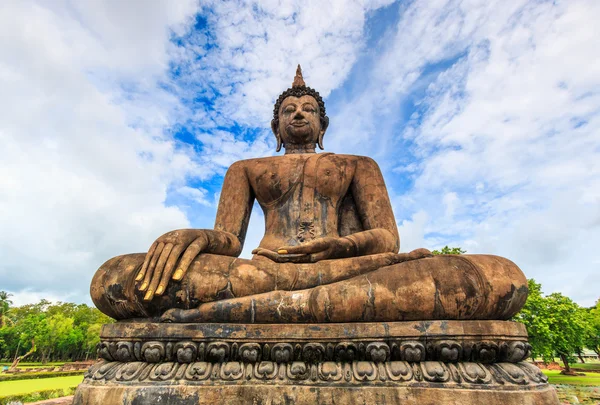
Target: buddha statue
{"points": [[329, 252]]}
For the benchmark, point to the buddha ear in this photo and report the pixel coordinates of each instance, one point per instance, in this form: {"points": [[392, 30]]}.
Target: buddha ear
{"points": [[320, 140], [275, 129], [324, 125]]}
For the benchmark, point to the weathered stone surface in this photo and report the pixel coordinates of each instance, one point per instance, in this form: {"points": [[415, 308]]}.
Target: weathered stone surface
{"points": [[279, 395], [446, 341], [419, 362], [473, 287]]}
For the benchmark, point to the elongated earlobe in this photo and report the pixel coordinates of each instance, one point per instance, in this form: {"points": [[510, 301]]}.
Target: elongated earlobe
{"points": [[275, 129], [324, 125]]}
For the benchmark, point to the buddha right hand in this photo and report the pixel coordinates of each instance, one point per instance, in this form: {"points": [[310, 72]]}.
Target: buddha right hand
{"points": [[163, 255]]}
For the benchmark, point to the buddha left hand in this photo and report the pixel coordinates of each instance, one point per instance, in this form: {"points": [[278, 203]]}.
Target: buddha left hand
{"points": [[311, 252], [159, 265]]}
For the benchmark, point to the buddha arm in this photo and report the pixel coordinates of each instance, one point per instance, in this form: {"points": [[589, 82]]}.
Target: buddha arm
{"points": [[374, 210], [233, 214]]}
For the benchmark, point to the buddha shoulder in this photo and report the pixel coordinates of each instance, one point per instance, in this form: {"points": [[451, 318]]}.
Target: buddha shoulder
{"points": [[257, 166]]}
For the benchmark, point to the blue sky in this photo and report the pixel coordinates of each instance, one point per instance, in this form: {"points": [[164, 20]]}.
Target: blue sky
{"points": [[118, 123]]}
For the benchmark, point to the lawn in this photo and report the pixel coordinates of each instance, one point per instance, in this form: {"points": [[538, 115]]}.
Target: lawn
{"points": [[555, 377], [587, 366], [26, 365], [8, 388]]}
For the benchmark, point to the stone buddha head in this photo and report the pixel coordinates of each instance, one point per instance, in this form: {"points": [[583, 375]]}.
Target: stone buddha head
{"points": [[299, 120]]}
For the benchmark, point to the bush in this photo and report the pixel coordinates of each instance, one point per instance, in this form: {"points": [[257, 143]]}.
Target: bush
{"points": [[42, 374], [37, 396]]}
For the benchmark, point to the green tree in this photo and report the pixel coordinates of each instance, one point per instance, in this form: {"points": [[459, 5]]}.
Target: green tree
{"points": [[592, 340], [61, 331], [537, 320], [449, 251], [5, 304], [569, 326], [556, 324]]}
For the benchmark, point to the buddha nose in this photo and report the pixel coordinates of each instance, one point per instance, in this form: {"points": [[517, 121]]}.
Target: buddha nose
{"points": [[298, 115]]}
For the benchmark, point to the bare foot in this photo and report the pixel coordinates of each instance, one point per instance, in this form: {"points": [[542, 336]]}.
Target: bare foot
{"points": [[412, 255], [420, 253], [177, 315]]}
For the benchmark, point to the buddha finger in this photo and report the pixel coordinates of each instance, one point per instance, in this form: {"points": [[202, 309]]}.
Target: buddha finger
{"points": [[150, 269], [317, 257], [193, 250], [314, 246], [269, 254], [142, 271], [170, 266], [155, 288]]}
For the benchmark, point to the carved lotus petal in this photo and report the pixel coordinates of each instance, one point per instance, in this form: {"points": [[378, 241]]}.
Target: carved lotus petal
{"points": [[250, 352], [152, 355], [516, 351], [487, 355], [378, 351], [475, 372], [412, 351], [329, 368], [435, 371], [265, 368], [231, 368], [364, 368], [313, 352], [123, 354], [448, 351], [186, 354], [281, 353], [217, 351], [298, 367], [399, 370], [198, 368]]}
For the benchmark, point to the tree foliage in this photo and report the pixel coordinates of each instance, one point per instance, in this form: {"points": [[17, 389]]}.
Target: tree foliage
{"points": [[592, 339], [556, 325], [449, 251], [5, 304], [61, 331]]}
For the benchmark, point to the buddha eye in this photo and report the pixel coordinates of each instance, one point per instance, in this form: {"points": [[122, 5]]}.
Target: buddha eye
{"points": [[308, 108], [289, 109]]}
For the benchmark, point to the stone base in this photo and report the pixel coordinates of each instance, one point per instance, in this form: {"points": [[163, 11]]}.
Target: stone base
{"points": [[429, 362], [280, 395]]}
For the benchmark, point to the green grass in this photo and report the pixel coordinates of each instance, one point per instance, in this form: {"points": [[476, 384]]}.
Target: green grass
{"points": [[8, 388], [28, 365], [555, 377], [35, 363], [587, 366]]}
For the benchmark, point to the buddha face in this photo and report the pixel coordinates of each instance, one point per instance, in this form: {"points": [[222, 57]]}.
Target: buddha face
{"points": [[299, 120]]}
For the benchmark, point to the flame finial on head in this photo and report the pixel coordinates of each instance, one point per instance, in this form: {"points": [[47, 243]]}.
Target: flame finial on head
{"points": [[298, 79]]}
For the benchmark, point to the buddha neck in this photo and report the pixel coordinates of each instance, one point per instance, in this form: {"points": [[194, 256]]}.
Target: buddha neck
{"points": [[303, 148]]}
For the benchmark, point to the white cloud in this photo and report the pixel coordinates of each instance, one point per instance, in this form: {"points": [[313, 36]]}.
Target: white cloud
{"points": [[196, 194], [512, 128], [257, 45], [80, 183]]}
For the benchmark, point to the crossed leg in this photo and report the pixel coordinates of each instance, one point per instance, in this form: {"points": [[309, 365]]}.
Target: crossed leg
{"points": [[443, 287], [212, 278]]}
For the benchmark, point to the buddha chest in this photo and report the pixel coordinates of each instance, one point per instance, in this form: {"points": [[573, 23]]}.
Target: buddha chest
{"points": [[281, 181]]}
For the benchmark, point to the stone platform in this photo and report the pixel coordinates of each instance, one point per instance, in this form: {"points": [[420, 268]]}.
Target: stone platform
{"points": [[425, 362]]}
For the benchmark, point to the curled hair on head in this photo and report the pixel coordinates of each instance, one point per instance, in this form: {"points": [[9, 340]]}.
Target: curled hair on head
{"points": [[299, 91]]}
